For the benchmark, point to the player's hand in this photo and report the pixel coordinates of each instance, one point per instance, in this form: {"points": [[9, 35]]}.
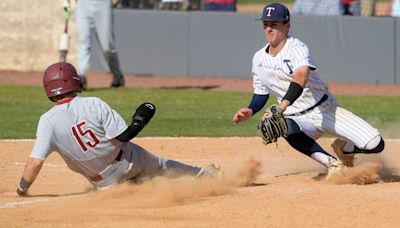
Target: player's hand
{"points": [[67, 14], [242, 115], [10, 194], [67, 10], [273, 111], [266, 115]]}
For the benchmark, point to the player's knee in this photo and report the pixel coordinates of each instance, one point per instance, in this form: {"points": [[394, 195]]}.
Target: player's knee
{"points": [[375, 149], [379, 148]]}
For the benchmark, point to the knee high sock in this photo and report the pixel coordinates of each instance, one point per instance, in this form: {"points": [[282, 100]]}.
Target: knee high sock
{"points": [[305, 144]]}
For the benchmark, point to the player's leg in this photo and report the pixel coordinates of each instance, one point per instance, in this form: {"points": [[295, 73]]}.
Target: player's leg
{"points": [[146, 164], [85, 29], [354, 135], [299, 138], [104, 21], [359, 136]]}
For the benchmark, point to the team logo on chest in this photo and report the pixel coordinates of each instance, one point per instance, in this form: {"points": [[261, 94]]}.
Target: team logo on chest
{"points": [[289, 65]]}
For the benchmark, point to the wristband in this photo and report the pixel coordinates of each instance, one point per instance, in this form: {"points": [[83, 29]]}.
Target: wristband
{"points": [[23, 186], [293, 92]]}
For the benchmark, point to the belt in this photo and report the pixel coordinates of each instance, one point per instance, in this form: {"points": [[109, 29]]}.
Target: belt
{"points": [[324, 98], [98, 177]]}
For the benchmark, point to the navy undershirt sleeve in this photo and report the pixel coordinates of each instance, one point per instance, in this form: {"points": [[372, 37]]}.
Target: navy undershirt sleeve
{"points": [[258, 102]]}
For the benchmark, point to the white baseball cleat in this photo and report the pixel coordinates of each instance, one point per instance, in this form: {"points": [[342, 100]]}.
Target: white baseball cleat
{"points": [[212, 170], [335, 167], [347, 160]]}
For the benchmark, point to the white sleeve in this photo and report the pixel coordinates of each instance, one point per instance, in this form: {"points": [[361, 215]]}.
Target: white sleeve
{"points": [[111, 121], [43, 144], [302, 56]]}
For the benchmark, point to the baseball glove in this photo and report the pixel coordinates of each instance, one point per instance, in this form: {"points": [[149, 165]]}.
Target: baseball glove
{"points": [[273, 126]]}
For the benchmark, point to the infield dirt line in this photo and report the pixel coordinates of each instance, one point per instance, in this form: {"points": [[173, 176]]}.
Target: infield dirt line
{"points": [[20, 203], [45, 164]]}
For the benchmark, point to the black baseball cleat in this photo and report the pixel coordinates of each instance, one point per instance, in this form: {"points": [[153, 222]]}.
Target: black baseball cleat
{"points": [[118, 82], [83, 83]]}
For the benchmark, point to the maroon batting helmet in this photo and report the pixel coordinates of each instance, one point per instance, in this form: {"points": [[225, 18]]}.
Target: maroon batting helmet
{"points": [[60, 78]]}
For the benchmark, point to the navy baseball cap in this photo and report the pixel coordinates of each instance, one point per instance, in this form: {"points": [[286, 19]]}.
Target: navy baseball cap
{"points": [[275, 12]]}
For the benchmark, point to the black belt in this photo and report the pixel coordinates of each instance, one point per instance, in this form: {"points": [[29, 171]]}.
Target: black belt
{"points": [[324, 98], [98, 177]]}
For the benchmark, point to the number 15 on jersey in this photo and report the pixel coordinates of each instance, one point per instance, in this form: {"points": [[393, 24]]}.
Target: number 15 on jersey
{"points": [[81, 134]]}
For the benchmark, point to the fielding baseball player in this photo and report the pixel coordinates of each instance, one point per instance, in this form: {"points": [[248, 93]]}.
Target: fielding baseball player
{"points": [[285, 68], [92, 138]]}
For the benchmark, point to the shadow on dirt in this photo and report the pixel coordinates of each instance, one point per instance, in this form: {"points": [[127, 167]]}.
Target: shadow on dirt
{"points": [[320, 176], [209, 87], [256, 185], [60, 195], [388, 175], [206, 87]]}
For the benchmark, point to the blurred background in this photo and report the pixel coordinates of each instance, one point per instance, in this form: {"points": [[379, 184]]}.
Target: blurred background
{"points": [[359, 41]]}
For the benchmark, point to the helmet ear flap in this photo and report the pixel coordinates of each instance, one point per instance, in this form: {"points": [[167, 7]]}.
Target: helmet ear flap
{"points": [[60, 78]]}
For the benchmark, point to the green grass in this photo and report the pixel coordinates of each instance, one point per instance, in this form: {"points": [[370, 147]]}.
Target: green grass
{"points": [[180, 112]]}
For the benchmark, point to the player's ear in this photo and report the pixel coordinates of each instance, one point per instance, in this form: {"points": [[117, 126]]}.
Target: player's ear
{"points": [[287, 25]]}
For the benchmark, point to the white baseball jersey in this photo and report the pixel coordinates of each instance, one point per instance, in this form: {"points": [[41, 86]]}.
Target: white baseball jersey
{"points": [[274, 75], [82, 131]]}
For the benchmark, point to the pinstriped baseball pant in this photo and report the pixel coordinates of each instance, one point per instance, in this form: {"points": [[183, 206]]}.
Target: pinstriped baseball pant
{"points": [[337, 121]]}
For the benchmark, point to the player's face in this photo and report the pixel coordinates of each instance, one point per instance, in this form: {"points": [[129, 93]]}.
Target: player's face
{"points": [[276, 32]]}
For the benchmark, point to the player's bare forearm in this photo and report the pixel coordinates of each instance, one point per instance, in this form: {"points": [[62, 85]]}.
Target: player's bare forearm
{"points": [[283, 105], [300, 75], [32, 169]]}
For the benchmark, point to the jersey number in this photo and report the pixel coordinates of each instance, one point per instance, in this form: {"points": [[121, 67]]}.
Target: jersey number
{"points": [[80, 133]]}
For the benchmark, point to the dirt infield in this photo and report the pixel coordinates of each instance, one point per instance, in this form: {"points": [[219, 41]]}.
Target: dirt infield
{"points": [[263, 187]]}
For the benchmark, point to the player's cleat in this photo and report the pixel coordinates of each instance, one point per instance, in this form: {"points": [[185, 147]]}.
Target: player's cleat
{"points": [[212, 170], [83, 83], [348, 160], [334, 167], [118, 82]]}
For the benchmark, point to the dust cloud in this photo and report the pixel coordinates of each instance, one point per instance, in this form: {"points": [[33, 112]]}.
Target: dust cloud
{"points": [[163, 192], [367, 173]]}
